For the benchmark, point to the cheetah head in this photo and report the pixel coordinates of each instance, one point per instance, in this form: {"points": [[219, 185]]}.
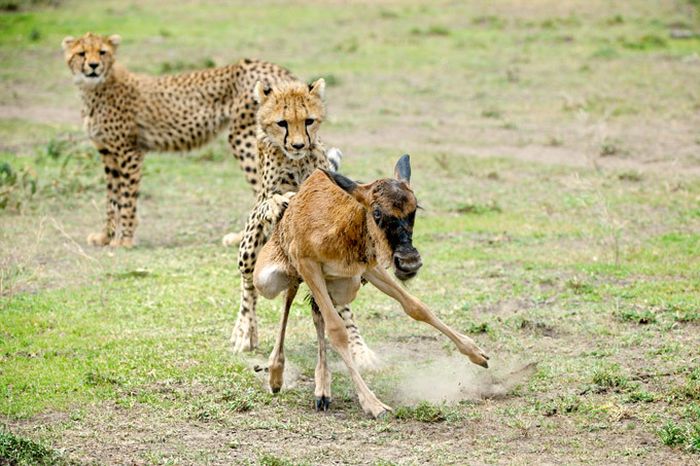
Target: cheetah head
{"points": [[90, 57], [290, 114]]}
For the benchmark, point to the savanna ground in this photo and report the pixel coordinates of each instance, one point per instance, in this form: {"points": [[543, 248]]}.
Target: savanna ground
{"points": [[556, 153]]}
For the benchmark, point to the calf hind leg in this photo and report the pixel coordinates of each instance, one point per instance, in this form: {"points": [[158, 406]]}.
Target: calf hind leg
{"points": [[322, 392], [276, 361]]}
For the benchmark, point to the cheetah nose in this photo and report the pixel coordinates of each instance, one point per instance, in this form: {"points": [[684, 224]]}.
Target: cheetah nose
{"points": [[93, 65], [298, 146]]}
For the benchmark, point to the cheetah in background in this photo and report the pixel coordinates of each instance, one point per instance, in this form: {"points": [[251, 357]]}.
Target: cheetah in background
{"points": [[126, 115], [289, 150]]}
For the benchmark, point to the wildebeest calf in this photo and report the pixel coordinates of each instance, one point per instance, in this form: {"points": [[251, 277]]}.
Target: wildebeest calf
{"points": [[334, 233]]}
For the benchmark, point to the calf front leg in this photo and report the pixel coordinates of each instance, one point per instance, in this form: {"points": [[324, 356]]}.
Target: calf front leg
{"points": [[313, 276], [322, 378], [380, 278]]}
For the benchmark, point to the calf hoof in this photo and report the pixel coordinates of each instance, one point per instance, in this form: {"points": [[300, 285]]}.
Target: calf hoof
{"points": [[275, 389], [323, 403]]}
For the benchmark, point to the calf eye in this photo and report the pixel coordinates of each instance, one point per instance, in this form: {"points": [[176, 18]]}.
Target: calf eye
{"points": [[282, 123], [81, 54], [377, 214], [309, 121]]}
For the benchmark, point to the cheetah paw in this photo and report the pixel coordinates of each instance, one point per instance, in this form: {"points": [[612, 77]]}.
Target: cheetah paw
{"points": [[244, 337], [98, 239], [364, 357]]}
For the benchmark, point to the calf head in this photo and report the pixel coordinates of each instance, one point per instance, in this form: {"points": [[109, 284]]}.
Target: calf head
{"points": [[391, 211]]}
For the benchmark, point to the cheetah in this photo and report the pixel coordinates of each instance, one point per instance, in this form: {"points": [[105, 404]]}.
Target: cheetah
{"points": [[289, 150], [126, 115]]}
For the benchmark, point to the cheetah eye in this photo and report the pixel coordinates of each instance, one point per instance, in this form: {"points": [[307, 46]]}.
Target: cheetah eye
{"points": [[282, 123], [81, 54], [309, 121], [102, 52]]}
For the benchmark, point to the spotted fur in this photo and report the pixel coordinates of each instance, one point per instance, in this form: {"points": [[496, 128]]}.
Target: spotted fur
{"points": [[127, 114]]}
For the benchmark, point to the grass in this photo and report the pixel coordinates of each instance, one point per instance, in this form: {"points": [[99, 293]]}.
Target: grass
{"points": [[559, 225]]}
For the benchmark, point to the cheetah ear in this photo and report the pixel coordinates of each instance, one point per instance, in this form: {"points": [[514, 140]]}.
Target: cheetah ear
{"points": [[260, 92], [66, 42], [318, 88], [114, 40]]}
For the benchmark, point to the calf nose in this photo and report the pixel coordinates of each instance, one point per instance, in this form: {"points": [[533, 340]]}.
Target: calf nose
{"points": [[93, 65], [298, 146]]}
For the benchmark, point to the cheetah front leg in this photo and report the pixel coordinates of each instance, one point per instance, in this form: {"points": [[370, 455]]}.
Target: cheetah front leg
{"points": [[260, 223], [130, 164], [111, 167]]}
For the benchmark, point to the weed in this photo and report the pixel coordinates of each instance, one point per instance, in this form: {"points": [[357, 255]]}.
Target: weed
{"points": [[482, 327], [21, 451], [642, 317], [434, 30], [609, 147], [267, 459], [491, 113], [491, 21], [475, 208], [672, 434], [646, 42], [634, 176], [609, 378], [423, 412], [640, 396]]}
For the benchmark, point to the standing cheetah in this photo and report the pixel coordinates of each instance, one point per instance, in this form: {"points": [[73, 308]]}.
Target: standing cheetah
{"points": [[289, 150], [126, 115]]}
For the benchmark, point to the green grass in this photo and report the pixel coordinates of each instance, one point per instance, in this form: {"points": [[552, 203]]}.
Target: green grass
{"points": [[559, 225]]}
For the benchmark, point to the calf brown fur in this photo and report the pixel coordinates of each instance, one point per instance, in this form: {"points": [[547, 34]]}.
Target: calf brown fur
{"points": [[334, 233]]}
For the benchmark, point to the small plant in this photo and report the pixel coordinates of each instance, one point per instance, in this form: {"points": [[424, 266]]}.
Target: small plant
{"points": [[646, 42], [609, 147], [609, 378], [640, 396], [23, 451], [672, 434], [482, 327], [423, 412], [642, 317], [491, 113], [478, 209]]}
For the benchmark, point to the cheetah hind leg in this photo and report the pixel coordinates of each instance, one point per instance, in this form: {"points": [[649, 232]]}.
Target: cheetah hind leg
{"points": [[364, 357]]}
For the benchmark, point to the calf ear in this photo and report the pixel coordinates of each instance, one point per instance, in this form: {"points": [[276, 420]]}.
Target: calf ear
{"points": [[66, 42], [358, 191], [402, 170], [261, 92]]}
